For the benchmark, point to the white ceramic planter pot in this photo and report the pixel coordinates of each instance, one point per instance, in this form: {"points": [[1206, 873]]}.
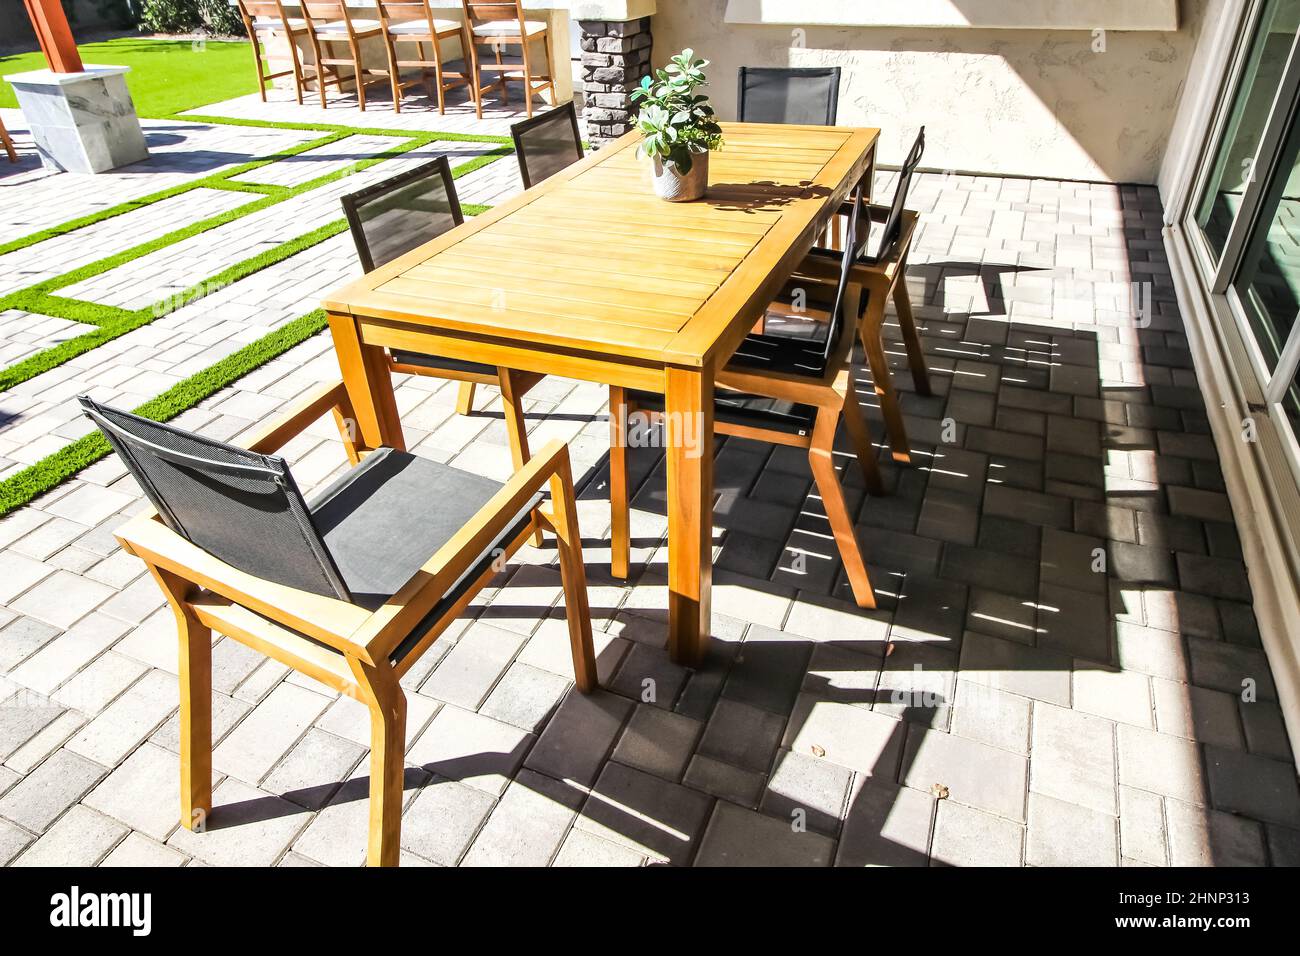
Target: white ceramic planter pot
{"points": [[673, 186]]}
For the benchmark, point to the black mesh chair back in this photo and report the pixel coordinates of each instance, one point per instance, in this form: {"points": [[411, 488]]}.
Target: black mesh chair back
{"points": [[894, 222], [805, 96], [837, 325], [240, 507], [547, 143], [391, 218]]}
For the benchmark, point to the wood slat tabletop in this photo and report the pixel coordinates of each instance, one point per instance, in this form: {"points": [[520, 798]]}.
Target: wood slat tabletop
{"points": [[592, 261]]}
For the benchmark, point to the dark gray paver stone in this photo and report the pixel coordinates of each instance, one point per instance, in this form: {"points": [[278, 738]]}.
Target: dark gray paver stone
{"points": [[1253, 786], [887, 825], [742, 735], [575, 742], [740, 837], [662, 820]]}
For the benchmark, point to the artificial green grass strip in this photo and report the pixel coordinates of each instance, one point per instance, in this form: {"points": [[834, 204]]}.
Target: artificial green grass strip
{"points": [[21, 488]]}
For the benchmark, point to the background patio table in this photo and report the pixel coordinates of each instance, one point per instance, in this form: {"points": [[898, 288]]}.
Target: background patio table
{"points": [[590, 276]]}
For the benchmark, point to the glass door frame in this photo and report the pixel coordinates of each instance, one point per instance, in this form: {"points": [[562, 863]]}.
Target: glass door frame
{"points": [[1218, 273]]}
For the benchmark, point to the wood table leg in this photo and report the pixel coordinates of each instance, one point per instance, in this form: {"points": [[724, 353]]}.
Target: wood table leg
{"points": [[688, 429], [369, 384]]}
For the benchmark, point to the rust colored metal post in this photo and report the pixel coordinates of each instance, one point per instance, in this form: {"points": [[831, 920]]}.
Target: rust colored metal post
{"points": [[54, 35]]}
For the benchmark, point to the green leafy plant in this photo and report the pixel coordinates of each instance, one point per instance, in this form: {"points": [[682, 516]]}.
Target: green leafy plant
{"points": [[676, 122]]}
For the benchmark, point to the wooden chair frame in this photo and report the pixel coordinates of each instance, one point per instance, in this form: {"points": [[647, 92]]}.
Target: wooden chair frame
{"points": [[835, 399], [321, 45], [432, 72], [499, 10], [249, 11], [8, 143], [883, 280], [337, 643]]}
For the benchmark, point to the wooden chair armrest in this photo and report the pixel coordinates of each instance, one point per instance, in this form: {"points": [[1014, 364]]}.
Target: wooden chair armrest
{"points": [[390, 624], [325, 619], [272, 435]]}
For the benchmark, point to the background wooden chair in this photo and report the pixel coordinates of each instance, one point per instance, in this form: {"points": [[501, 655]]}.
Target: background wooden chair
{"points": [[331, 22], [8, 142], [880, 267], [349, 589], [412, 21], [547, 143], [501, 25], [391, 218], [807, 96], [784, 391], [263, 18]]}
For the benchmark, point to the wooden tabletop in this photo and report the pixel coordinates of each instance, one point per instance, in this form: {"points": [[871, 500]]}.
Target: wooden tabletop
{"points": [[591, 261]]}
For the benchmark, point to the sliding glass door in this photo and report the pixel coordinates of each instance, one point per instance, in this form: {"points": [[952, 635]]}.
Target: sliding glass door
{"points": [[1245, 213]]}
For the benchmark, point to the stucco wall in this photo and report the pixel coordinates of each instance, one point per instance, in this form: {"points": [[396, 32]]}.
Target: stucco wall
{"points": [[1032, 102]]}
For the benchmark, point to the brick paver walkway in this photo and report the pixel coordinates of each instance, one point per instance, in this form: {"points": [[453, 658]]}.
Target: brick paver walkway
{"points": [[1055, 675]]}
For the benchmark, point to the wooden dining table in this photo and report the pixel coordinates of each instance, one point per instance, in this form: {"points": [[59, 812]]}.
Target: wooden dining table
{"points": [[588, 275]]}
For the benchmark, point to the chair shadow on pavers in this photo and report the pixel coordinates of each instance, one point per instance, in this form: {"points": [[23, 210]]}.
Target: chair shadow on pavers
{"points": [[989, 276]]}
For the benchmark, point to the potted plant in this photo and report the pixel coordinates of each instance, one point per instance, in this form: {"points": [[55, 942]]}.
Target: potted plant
{"points": [[678, 127]]}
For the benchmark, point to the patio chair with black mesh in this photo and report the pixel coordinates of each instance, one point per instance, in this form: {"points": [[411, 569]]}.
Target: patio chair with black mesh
{"points": [[783, 391], [350, 587], [880, 267]]}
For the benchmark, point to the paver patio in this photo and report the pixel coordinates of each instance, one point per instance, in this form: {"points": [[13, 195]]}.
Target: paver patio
{"points": [[1064, 668]]}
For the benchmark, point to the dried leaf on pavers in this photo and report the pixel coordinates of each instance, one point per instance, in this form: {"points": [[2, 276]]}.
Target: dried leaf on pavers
{"points": [[939, 791], [818, 750]]}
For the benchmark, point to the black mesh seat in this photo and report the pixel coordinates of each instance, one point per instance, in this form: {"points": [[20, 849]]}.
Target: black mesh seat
{"points": [[360, 540], [383, 519], [807, 356], [739, 408], [805, 96], [782, 354], [440, 363], [547, 143]]}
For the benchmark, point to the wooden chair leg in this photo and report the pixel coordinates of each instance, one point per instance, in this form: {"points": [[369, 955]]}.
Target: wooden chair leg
{"points": [[528, 77], [573, 576], [501, 75], [195, 672], [394, 74], [465, 398], [320, 71], [882, 379], [620, 545], [437, 89], [387, 706], [358, 74], [297, 67], [512, 404], [476, 77], [860, 435], [911, 340], [550, 66], [821, 457], [257, 63]]}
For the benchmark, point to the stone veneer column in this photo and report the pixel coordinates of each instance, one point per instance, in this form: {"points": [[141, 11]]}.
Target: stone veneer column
{"points": [[615, 56]]}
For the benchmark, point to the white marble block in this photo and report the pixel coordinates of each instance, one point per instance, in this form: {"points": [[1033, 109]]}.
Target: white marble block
{"points": [[82, 122]]}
